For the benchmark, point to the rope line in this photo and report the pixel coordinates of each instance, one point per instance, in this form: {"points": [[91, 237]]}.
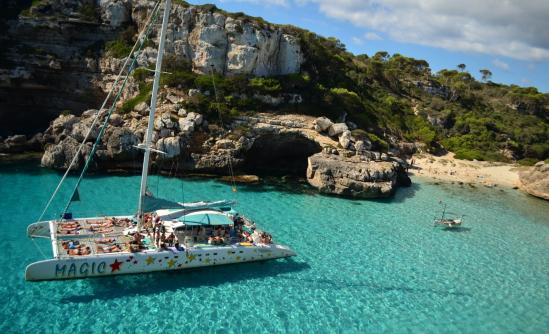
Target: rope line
{"points": [[231, 171], [97, 114]]}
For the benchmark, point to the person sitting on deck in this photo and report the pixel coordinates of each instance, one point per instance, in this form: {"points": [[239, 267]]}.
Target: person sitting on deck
{"points": [[170, 239], [137, 239], [266, 238], [247, 237]]}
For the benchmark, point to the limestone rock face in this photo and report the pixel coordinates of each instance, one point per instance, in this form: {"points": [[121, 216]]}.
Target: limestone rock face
{"points": [[535, 181], [214, 41], [352, 176]]}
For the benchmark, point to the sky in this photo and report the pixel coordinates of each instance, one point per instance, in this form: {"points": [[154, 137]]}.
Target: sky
{"points": [[508, 37]]}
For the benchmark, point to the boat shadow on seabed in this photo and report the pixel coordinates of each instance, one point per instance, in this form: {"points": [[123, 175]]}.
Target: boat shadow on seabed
{"points": [[106, 288]]}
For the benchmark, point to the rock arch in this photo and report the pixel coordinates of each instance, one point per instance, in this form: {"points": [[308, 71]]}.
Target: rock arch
{"points": [[280, 154]]}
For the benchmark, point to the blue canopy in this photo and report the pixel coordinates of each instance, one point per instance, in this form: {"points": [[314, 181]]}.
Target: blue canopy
{"points": [[205, 218]]}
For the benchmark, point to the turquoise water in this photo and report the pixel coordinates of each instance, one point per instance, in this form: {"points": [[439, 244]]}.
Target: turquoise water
{"points": [[363, 266]]}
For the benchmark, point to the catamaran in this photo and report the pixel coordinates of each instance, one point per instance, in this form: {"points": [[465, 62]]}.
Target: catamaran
{"points": [[163, 235]]}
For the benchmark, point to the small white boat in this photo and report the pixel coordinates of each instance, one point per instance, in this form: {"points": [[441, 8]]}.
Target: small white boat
{"points": [[449, 223], [163, 235], [445, 221]]}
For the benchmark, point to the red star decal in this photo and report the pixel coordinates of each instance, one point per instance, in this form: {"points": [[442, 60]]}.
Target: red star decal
{"points": [[115, 265]]}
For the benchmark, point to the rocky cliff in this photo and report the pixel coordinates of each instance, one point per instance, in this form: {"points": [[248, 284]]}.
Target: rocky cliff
{"points": [[72, 59], [54, 55]]}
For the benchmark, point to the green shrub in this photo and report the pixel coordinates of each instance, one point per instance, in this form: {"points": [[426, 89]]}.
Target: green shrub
{"points": [[141, 74], [143, 96], [265, 85], [89, 12], [378, 143], [469, 154], [529, 161], [118, 48]]}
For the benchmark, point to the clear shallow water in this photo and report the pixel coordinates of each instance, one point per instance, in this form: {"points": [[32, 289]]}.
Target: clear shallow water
{"points": [[363, 266]]}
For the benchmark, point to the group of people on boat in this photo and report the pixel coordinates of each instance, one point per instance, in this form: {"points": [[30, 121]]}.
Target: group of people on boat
{"points": [[106, 225], [72, 227], [74, 247]]}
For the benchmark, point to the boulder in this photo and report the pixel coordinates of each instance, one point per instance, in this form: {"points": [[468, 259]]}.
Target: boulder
{"points": [[535, 180], [186, 126], [116, 120], [336, 129], [63, 122], [352, 176], [345, 139], [182, 112], [361, 146], [60, 155], [170, 145], [195, 118], [142, 108], [322, 124]]}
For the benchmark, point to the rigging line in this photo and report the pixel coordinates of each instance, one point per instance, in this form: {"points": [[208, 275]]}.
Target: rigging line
{"points": [[97, 114], [39, 249], [105, 123], [231, 171]]}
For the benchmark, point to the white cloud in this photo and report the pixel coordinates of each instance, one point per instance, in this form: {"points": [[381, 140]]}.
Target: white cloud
{"points": [[357, 40], [372, 36], [516, 29], [500, 64]]}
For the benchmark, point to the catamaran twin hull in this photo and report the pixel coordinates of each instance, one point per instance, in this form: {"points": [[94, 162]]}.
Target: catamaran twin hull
{"points": [[97, 265]]}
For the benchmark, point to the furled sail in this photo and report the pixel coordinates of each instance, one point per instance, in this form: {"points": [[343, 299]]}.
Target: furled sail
{"points": [[151, 203]]}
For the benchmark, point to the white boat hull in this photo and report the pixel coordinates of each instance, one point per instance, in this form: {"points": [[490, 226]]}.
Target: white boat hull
{"points": [[150, 261]]}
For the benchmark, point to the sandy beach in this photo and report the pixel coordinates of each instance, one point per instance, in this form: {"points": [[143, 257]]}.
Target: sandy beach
{"points": [[446, 168]]}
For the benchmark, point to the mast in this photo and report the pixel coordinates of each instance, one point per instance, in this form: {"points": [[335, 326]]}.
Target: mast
{"points": [[148, 135]]}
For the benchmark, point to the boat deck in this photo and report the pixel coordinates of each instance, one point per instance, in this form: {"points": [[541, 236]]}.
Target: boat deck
{"points": [[92, 227]]}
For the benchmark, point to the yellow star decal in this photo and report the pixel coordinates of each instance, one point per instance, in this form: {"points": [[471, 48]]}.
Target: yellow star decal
{"points": [[149, 260], [171, 263], [191, 257], [207, 261], [238, 258]]}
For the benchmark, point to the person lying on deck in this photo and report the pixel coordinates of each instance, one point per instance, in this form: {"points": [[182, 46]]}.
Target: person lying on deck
{"points": [[107, 223], [105, 240], [69, 225], [79, 251], [108, 249]]}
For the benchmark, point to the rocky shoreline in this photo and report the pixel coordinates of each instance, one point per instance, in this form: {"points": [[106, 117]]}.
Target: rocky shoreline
{"points": [[324, 152]]}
